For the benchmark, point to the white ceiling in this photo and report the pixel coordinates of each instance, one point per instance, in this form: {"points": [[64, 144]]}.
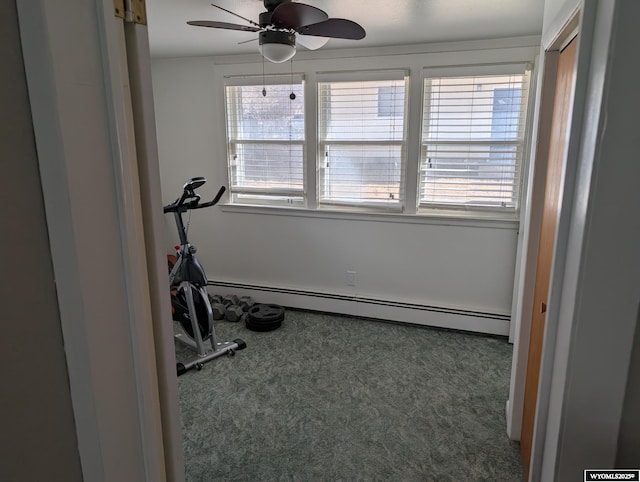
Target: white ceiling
{"points": [[387, 22]]}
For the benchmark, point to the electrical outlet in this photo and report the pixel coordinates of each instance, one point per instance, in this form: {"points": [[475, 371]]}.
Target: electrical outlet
{"points": [[351, 278]]}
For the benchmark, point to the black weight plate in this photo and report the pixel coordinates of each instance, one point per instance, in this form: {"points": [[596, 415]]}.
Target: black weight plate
{"points": [[270, 321], [268, 324], [263, 326], [263, 313]]}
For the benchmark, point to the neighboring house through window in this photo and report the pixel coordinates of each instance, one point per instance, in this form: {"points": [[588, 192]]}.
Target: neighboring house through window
{"points": [[390, 101]]}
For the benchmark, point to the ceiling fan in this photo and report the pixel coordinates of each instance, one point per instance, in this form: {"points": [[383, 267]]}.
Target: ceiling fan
{"points": [[286, 23]]}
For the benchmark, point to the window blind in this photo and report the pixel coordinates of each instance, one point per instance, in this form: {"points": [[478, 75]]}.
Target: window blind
{"points": [[361, 140], [472, 140], [265, 131]]}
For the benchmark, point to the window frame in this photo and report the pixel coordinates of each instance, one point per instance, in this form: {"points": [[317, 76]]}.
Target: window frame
{"points": [[267, 196], [323, 144], [521, 144], [474, 56]]}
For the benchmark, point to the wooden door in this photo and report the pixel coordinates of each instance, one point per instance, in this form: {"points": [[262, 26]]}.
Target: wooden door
{"points": [[557, 147]]}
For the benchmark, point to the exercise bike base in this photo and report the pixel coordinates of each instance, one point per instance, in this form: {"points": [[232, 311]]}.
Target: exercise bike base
{"points": [[227, 348]]}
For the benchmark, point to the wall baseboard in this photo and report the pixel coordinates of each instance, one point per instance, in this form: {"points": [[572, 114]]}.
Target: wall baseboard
{"points": [[415, 313]]}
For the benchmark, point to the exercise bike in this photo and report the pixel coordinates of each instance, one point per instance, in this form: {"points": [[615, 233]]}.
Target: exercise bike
{"points": [[190, 303]]}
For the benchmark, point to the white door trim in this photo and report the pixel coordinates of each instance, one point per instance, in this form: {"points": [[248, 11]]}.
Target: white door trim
{"points": [[532, 220], [73, 54]]}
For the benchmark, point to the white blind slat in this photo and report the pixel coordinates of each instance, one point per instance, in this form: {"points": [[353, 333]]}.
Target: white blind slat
{"points": [[361, 76], [476, 70]]}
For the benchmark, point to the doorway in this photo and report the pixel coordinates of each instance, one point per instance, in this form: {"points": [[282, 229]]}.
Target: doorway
{"points": [[559, 132]]}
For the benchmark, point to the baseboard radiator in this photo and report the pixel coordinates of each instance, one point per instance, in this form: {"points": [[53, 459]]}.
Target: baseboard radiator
{"points": [[404, 312]]}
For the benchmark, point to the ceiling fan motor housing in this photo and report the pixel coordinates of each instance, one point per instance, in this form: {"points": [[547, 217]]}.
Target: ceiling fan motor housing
{"points": [[277, 37], [272, 4]]}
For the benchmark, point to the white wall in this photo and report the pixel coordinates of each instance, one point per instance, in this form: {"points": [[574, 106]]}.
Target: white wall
{"points": [[442, 263]]}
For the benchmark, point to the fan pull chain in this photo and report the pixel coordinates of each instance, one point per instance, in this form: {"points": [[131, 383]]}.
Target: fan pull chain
{"points": [[264, 89], [292, 96]]}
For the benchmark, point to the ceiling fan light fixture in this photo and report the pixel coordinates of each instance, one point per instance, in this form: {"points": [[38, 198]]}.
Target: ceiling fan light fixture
{"points": [[311, 43], [277, 46]]}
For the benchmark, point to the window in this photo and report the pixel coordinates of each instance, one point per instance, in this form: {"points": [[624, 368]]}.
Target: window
{"points": [[265, 132], [472, 141], [361, 139], [462, 154]]}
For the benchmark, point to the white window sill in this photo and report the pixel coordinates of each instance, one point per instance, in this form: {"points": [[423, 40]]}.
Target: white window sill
{"points": [[444, 218]]}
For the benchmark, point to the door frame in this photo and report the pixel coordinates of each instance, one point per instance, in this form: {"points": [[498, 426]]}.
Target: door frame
{"points": [[589, 343], [125, 403], [570, 368], [531, 221]]}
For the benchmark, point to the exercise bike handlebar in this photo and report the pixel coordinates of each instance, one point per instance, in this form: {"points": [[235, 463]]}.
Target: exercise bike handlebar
{"points": [[190, 200], [215, 200]]}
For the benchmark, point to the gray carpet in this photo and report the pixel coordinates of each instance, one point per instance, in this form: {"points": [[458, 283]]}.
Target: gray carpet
{"points": [[331, 398]]}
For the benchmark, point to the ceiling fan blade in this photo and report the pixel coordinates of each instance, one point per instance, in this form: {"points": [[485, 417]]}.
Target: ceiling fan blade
{"points": [[295, 15], [233, 13], [310, 42], [334, 28], [225, 25]]}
